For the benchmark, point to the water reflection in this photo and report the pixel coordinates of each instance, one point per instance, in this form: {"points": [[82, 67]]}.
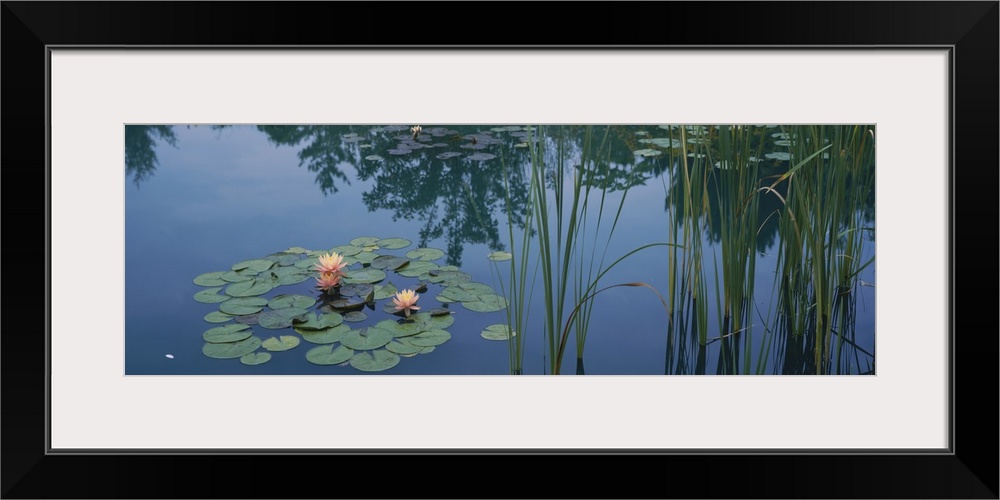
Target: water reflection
{"points": [[140, 149]]}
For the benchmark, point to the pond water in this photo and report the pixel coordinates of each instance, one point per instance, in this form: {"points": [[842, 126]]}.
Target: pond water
{"points": [[753, 249]]}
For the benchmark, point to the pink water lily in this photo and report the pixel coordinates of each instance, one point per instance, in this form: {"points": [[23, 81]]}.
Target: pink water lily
{"points": [[326, 281], [331, 263], [405, 301]]}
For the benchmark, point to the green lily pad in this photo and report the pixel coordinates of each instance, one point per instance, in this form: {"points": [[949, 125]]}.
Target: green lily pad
{"points": [[500, 256], [218, 317], [274, 320], [374, 158], [231, 350], [249, 288], [430, 338], [211, 279], [255, 358], [445, 300], [417, 267], [318, 322], [295, 250], [439, 311], [236, 277], [248, 319], [227, 333], [345, 303], [355, 317], [429, 322], [259, 265], [364, 275], [448, 277], [211, 296], [240, 306], [385, 291], [291, 300], [402, 349], [307, 264], [457, 294], [425, 254], [288, 260], [397, 329], [327, 355], [498, 331], [284, 343], [377, 361], [476, 288], [389, 262], [647, 152], [365, 257], [365, 241], [346, 250], [486, 303], [357, 289], [325, 336], [285, 271], [292, 279], [366, 339], [393, 243]]}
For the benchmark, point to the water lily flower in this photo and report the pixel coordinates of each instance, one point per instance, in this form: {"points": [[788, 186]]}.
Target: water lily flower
{"points": [[326, 281], [331, 263], [416, 130], [405, 301]]}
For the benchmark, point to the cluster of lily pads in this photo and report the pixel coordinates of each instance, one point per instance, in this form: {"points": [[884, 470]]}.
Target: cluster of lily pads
{"points": [[324, 318]]}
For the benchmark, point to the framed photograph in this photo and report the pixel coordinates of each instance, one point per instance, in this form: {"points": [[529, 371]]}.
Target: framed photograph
{"points": [[322, 247]]}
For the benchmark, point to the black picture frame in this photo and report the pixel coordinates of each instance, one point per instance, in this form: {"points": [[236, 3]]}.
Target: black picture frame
{"points": [[970, 29]]}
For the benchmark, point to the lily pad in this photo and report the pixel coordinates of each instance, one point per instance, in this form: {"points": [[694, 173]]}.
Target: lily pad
{"points": [[480, 157], [210, 279], [486, 303], [227, 333], [236, 277], [355, 317], [393, 243], [218, 317], [448, 277], [647, 152], [377, 361], [457, 294], [374, 158], [430, 338], [327, 355], [325, 336], [255, 358], [385, 291], [389, 262], [364, 241], [425, 254], [477, 288], [259, 265], [416, 268], [364, 275], [345, 303], [288, 260], [274, 320], [291, 300], [357, 289], [499, 256], [498, 331], [318, 322], [398, 329], [307, 264], [249, 288], [284, 343], [292, 279], [243, 305], [449, 154], [439, 311], [248, 319], [402, 349], [231, 350], [366, 339], [428, 322], [365, 257], [211, 296], [346, 250]]}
